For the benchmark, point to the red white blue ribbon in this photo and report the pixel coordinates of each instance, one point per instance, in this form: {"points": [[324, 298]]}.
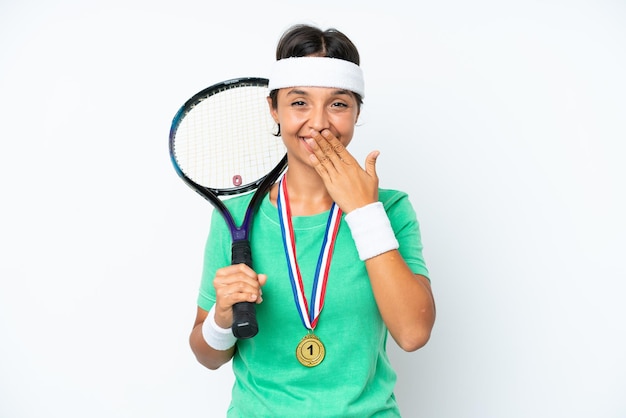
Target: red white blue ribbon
{"points": [[309, 315]]}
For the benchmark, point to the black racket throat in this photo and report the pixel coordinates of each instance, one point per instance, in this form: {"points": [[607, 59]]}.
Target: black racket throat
{"points": [[262, 187]]}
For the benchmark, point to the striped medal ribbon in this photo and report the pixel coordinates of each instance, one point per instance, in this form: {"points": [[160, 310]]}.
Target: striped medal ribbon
{"points": [[310, 351]]}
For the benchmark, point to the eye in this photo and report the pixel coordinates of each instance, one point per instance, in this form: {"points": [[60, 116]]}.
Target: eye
{"points": [[298, 103]]}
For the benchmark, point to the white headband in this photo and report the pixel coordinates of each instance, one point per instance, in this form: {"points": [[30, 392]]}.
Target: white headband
{"points": [[317, 72]]}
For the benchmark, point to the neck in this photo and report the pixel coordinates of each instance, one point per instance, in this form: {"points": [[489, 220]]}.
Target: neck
{"points": [[307, 194]]}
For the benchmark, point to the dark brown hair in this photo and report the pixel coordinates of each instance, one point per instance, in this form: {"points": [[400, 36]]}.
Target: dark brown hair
{"points": [[305, 40]]}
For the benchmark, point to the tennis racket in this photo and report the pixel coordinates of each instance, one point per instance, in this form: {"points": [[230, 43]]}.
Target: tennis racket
{"points": [[221, 144]]}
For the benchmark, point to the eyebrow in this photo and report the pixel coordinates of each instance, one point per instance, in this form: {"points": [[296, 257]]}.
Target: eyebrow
{"points": [[337, 92]]}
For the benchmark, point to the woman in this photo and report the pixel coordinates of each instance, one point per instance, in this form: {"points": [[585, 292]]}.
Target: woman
{"points": [[337, 261]]}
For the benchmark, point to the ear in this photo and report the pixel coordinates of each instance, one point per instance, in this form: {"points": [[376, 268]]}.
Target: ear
{"points": [[273, 110]]}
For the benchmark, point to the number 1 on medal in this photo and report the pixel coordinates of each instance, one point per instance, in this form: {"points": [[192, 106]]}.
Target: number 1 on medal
{"points": [[310, 352]]}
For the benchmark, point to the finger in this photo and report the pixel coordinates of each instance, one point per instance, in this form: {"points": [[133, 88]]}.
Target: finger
{"points": [[262, 280], [370, 163], [339, 151], [235, 284], [320, 160], [233, 268], [236, 272], [320, 166], [322, 149], [330, 152], [228, 296]]}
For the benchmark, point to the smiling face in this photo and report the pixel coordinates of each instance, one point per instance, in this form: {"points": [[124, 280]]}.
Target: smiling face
{"points": [[300, 110]]}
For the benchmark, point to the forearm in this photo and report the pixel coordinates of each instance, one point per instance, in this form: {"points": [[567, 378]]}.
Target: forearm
{"points": [[404, 299], [205, 354]]}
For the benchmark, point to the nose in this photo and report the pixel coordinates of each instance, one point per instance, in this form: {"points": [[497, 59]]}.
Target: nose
{"points": [[318, 118]]}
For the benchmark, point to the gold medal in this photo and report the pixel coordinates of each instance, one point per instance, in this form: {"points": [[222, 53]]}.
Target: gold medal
{"points": [[310, 351]]}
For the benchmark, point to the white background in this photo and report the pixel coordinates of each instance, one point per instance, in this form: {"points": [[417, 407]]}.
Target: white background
{"points": [[503, 120]]}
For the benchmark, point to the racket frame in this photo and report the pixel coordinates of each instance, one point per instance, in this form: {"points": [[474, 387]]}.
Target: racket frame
{"points": [[244, 312]]}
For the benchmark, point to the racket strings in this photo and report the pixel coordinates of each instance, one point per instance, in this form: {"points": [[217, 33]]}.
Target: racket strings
{"points": [[226, 139]]}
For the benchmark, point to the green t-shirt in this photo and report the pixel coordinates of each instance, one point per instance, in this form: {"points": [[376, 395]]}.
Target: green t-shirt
{"points": [[355, 378]]}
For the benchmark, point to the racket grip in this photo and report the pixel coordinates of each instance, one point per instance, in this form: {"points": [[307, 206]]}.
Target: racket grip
{"points": [[244, 320], [241, 253], [244, 313]]}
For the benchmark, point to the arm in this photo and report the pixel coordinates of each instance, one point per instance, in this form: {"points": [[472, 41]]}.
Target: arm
{"points": [[404, 299]]}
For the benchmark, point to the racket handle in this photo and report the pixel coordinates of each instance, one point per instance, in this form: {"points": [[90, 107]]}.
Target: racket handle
{"points": [[244, 313], [244, 320]]}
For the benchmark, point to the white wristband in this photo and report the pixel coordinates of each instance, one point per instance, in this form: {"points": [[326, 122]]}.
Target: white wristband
{"points": [[371, 230], [217, 337]]}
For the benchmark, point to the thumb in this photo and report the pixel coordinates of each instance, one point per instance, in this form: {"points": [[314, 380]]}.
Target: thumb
{"points": [[370, 163], [262, 278]]}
